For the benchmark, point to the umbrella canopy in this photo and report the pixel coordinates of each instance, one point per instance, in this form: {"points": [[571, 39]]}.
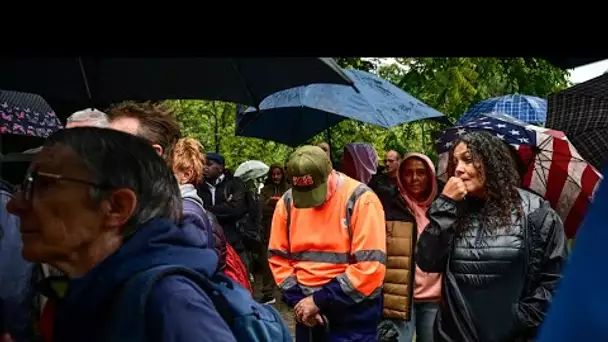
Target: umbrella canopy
{"points": [[526, 108], [253, 173], [26, 114], [582, 113], [251, 169], [573, 62], [292, 116], [240, 80], [555, 170]]}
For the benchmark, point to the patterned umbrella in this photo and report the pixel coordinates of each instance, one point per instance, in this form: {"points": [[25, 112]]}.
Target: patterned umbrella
{"points": [[555, 169], [26, 114], [526, 108], [582, 113]]}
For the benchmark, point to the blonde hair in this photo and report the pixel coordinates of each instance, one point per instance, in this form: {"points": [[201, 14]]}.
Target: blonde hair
{"points": [[189, 154]]}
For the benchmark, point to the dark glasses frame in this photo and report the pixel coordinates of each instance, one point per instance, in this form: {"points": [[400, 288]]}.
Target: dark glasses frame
{"points": [[27, 187]]}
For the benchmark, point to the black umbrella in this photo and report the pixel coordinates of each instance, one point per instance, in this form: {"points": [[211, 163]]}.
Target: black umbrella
{"points": [[582, 113], [240, 80], [573, 62]]}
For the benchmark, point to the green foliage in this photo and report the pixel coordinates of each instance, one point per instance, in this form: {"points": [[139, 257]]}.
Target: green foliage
{"points": [[213, 124], [355, 63], [450, 85]]}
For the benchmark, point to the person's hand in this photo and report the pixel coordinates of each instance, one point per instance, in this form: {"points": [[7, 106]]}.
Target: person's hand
{"points": [[306, 309], [455, 189], [313, 320], [6, 338]]}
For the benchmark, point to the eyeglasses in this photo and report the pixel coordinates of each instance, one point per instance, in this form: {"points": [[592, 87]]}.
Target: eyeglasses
{"points": [[27, 187]]}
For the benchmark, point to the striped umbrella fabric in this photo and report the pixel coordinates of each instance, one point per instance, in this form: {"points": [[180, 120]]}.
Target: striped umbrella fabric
{"points": [[530, 109], [581, 112], [555, 170]]}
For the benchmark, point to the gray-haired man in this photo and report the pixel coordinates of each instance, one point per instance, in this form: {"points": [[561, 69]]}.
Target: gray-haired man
{"points": [[87, 117]]}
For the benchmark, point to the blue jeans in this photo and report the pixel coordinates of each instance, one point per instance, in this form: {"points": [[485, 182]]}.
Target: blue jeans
{"points": [[424, 317], [422, 322]]}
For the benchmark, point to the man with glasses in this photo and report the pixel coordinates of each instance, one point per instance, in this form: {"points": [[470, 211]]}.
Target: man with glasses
{"points": [[102, 206]]}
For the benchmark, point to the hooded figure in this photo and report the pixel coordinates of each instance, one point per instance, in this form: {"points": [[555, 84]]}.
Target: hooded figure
{"points": [[274, 188], [411, 296], [360, 161]]}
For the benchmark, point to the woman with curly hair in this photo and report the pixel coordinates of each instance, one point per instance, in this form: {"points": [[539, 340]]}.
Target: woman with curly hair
{"points": [[500, 248]]}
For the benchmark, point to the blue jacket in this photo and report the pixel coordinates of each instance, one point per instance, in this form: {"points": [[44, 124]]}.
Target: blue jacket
{"points": [[177, 309], [16, 290], [579, 311]]}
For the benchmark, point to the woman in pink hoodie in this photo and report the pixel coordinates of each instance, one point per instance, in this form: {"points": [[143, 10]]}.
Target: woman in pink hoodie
{"points": [[418, 188], [411, 296]]}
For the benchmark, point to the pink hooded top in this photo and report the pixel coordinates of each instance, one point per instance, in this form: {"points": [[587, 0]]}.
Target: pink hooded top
{"points": [[360, 161], [428, 285]]}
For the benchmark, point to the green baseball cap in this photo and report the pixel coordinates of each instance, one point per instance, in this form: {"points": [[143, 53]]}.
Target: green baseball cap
{"points": [[308, 169]]}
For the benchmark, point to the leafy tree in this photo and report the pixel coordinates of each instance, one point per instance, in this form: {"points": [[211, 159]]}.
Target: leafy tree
{"points": [[355, 63], [213, 124]]}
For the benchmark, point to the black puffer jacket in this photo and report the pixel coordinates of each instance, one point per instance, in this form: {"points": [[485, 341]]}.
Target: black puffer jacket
{"points": [[229, 207], [498, 282]]}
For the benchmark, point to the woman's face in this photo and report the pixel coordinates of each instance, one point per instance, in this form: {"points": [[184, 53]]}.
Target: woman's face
{"points": [[416, 178], [465, 169], [277, 175]]}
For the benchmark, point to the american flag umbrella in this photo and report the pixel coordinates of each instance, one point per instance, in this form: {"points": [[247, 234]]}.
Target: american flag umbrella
{"points": [[581, 112], [530, 109], [555, 169]]}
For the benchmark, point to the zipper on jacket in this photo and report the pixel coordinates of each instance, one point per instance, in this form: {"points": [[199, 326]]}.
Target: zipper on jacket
{"points": [[479, 236]]}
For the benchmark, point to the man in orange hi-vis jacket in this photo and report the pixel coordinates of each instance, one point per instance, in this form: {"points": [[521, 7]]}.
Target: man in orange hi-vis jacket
{"points": [[327, 251]]}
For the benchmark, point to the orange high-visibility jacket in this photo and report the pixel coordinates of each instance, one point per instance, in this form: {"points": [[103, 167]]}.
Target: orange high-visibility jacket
{"points": [[336, 251]]}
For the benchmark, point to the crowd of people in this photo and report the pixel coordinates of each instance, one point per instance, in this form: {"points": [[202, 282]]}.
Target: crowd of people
{"points": [[358, 253]]}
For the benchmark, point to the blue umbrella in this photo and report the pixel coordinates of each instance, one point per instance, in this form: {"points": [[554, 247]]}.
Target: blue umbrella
{"points": [[295, 115], [530, 109]]}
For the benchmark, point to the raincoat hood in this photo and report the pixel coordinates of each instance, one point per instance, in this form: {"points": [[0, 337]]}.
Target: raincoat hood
{"points": [[157, 242], [365, 159]]}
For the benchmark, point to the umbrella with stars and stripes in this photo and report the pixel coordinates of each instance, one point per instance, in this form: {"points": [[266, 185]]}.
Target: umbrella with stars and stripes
{"points": [[555, 170]]}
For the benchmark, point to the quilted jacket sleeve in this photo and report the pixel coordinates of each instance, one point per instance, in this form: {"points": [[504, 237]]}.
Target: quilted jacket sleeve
{"points": [[434, 244], [549, 253]]}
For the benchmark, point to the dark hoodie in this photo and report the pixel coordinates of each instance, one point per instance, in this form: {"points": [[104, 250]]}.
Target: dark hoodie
{"points": [[270, 190], [177, 310]]}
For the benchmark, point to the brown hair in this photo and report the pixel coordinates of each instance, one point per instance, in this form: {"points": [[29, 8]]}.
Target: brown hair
{"points": [[189, 154], [157, 123]]}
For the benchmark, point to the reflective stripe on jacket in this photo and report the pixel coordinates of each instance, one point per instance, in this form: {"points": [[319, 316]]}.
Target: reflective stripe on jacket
{"points": [[336, 251]]}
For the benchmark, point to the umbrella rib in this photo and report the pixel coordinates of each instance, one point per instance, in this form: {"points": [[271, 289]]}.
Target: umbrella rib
{"points": [[253, 98], [84, 77], [541, 167]]}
